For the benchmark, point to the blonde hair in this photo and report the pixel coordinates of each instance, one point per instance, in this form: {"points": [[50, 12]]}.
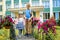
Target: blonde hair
{"points": [[28, 5]]}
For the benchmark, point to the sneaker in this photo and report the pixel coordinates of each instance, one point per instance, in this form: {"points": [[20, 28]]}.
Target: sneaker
{"points": [[26, 34]]}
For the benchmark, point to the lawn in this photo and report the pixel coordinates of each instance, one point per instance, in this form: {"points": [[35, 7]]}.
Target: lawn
{"points": [[58, 33], [4, 34]]}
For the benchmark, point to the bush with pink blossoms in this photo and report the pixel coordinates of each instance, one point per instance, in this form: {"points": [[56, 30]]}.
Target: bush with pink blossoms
{"points": [[7, 21], [48, 28]]}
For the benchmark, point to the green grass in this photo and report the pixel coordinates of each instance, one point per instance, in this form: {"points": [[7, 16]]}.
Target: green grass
{"points": [[58, 33]]}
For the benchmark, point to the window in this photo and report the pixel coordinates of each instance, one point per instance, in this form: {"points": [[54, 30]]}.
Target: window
{"points": [[8, 4], [46, 15], [0, 7], [24, 2], [23, 5], [16, 3], [59, 15], [56, 3], [35, 2], [0, 0], [8, 13], [46, 4], [56, 15]]}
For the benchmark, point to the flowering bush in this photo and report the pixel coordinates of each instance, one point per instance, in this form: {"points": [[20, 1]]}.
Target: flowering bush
{"points": [[34, 21], [48, 28], [58, 22], [48, 24], [7, 21], [0, 23]]}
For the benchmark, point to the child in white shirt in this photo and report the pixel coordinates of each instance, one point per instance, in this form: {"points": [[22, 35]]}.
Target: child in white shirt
{"points": [[21, 23]]}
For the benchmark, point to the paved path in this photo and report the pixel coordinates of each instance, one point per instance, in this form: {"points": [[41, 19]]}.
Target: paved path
{"points": [[25, 38]]}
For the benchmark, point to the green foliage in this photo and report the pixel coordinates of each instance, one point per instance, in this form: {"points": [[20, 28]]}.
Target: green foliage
{"points": [[36, 36], [49, 37], [35, 33], [58, 22]]}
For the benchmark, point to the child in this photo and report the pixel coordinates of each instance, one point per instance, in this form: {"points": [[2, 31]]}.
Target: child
{"points": [[28, 17], [21, 23]]}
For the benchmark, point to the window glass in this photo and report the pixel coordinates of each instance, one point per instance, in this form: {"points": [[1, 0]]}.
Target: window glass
{"points": [[0, 0], [35, 3], [24, 2], [56, 3], [46, 15], [46, 4], [8, 4], [0, 7], [16, 3], [59, 15]]}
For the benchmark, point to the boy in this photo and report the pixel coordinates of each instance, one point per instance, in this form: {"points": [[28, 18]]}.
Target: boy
{"points": [[28, 17]]}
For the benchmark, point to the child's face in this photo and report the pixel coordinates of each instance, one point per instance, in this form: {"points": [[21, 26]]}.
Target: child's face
{"points": [[20, 15]]}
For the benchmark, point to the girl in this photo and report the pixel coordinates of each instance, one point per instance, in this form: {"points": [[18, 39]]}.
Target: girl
{"points": [[21, 24]]}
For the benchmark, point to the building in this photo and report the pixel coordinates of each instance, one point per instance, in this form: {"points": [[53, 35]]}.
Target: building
{"points": [[55, 6], [20, 5], [2, 8], [46, 8]]}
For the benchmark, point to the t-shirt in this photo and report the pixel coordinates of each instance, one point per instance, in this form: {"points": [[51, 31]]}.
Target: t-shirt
{"points": [[28, 13], [21, 20]]}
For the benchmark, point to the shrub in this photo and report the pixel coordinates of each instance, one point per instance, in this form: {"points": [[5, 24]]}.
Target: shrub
{"points": [[58, 22]]}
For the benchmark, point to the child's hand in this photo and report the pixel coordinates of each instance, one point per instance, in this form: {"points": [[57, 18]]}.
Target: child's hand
{"points": [[29, 19]]}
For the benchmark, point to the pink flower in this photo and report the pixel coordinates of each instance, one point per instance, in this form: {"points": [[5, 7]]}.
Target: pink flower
{"points": [[45, 29], [2, 21], [39, 25], [10, 19]]}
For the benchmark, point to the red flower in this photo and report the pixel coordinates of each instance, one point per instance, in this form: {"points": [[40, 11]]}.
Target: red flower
{"points": [[2, 21], [39, 25], [8, 18]]}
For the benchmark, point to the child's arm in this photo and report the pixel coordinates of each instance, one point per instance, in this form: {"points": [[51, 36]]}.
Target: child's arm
{"points": [[24, 22], [31, 16]]}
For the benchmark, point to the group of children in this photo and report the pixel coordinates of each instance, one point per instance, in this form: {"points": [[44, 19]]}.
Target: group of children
{"points": [[24, 20]]}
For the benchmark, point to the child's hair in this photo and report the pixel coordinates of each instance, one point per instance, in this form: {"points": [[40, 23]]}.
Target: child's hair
{"points": [[21, 15]]}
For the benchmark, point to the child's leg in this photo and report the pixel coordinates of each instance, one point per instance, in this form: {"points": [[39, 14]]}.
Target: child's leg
{"points": [[20, 31], [26, 27], [29, 27]]}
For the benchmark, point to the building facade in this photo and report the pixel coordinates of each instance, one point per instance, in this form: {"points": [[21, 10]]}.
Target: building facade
{"points": [[0, 8], [56, 9], [49, 8]]}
